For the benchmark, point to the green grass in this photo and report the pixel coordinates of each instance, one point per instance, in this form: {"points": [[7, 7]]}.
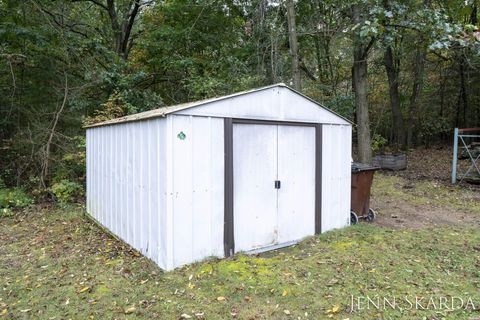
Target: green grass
{"points": [[426, 192], [56, 264]]}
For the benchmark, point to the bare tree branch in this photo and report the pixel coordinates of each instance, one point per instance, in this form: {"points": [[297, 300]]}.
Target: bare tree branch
{"points": [[96, 2], [46, 150]]}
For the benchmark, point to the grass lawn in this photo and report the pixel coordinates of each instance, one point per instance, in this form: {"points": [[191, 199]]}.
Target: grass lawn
{"points": [[55, 264]]}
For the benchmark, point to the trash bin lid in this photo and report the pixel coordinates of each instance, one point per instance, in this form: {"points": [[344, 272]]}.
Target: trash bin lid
{"points": [[358, 166]]}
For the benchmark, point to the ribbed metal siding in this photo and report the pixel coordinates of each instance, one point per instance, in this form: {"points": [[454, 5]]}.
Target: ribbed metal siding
{"points": [[336, 175], [126, 183], [164, 196], [197, 175]]}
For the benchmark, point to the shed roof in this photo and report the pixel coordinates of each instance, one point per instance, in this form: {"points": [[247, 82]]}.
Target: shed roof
{"points": [[163, 111]]}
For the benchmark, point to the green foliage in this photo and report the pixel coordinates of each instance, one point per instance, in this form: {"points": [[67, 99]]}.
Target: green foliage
{"points": [[378, 142], [200, 49], [11, 199], [114, 107], [67, 191], [72, 164], [344, 105], [431, 129], [183, 50]]}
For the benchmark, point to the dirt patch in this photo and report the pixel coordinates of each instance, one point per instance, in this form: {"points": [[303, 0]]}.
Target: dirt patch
{"points": [[412, 203], [399, 214], [433, 163], [429, 163]]}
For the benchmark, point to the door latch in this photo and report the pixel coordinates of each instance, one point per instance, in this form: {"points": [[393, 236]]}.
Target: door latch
{"points": [[277, 184]]}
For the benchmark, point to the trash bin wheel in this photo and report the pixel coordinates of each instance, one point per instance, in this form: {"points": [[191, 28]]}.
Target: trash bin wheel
{"points": [[371, 215], [353, 218]]}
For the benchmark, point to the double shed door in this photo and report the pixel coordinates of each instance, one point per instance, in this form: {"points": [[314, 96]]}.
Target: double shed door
{"points": [[273, 184]]}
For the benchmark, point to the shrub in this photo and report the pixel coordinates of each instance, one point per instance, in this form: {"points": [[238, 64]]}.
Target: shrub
{"points": [[378, 142], [67, 191], [72, 164], [13, 199]]}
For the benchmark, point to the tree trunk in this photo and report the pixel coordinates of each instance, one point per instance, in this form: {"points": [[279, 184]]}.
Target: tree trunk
{"points": [[463, 93], [45, 170], [393, 70], [359, 81], [292, 36], [259, 36], [416, 91], [121, 26]]}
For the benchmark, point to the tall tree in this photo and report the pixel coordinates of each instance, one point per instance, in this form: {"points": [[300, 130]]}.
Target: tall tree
{"points": [[417, 86], [392, 66], [123, 15], [360, 86], [293, 40]]}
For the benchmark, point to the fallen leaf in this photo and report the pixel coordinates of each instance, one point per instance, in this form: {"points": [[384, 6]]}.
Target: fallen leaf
{"points": [[185, 316], [84, 289], [287, 312], [247, 298], [284, 293], [130, 310], [332, 282], [25, 310], [4, 312], [221, 299], [336, 308]]}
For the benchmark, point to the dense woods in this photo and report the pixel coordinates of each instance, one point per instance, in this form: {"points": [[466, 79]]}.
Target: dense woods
{"points": [[406, 72]]}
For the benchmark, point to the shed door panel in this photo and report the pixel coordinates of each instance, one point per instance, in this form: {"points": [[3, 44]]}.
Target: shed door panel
{"points": [[254, 174], [296, 171]]}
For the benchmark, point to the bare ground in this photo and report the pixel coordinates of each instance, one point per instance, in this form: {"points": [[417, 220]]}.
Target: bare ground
{"points": [[422, 196], [400, 214]]}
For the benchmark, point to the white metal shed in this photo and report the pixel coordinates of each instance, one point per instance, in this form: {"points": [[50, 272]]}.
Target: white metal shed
{"points": [[250, 171]]}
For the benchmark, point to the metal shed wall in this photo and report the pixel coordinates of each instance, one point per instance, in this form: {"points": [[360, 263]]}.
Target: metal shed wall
{"points": [[276, 103], [336, 176], [126, 184], [196, 164], [164, 195], [197, 181]]}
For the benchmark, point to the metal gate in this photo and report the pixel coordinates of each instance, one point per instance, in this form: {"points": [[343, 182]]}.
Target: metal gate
{"points": [[469, 151]]}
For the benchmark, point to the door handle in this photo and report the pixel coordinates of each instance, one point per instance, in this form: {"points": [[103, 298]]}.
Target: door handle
{"points": [[277, 184]]}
